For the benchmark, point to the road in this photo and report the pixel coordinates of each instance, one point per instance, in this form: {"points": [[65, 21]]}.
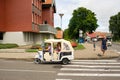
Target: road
{"points": [[23, 70], [115, 47], [77, 70]]}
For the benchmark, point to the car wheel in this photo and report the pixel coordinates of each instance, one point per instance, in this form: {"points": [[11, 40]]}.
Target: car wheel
{"points": [[65, 61], [37, 61]]}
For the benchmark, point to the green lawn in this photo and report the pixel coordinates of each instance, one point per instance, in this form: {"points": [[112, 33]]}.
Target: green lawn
{"points": [[31, 50], [79, 47], [7, 46]]}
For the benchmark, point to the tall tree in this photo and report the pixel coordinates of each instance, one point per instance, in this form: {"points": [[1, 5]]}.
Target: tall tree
{"points": [[82, 19], [114, 26], [58, 28], [65, 34]]}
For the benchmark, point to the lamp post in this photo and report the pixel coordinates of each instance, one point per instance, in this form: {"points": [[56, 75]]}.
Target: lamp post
{"points": [[61, 15]]}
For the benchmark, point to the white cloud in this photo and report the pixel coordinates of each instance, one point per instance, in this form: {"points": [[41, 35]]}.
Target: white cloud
{"points": [[102, 8]]}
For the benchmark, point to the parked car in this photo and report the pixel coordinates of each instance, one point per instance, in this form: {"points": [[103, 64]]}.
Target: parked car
{"points": [[94, 39], [109, 43]]}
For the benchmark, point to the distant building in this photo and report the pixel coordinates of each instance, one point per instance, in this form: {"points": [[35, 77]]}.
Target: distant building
{"points": [[26, 21], [97, 35], [91, 35], [100, 34]]}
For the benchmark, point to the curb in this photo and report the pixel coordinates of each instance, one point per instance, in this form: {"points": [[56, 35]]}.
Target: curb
{"points": [[32, 59]]}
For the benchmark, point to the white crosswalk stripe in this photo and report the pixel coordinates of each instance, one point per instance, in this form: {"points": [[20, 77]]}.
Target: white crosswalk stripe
{"points": [[94, 61], [90, 68], [90, 74], [87, 66], [74, 69], [63, 79]]}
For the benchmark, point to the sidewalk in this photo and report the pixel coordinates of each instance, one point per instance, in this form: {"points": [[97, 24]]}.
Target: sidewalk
{"points": [[87, 53]]}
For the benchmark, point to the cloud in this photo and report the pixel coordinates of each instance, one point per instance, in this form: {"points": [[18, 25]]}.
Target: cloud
{"points": [[102, 8]]}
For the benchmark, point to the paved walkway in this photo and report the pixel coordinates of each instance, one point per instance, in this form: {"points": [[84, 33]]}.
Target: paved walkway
{"points": [[90, 53], [87, 53]]}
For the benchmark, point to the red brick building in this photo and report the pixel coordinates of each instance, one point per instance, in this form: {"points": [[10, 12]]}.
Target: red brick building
{"points": [[26, 21]]}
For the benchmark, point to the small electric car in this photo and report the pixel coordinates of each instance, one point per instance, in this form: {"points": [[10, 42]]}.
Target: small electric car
{"points": [[55, 50]]}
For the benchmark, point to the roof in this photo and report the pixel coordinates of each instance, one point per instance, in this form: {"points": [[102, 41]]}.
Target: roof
{"points": [[49, 3], [101, 34], [56, 40], [92, 35]]}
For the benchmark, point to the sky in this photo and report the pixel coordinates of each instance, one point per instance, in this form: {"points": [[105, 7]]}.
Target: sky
{"points": [[103, 9]]}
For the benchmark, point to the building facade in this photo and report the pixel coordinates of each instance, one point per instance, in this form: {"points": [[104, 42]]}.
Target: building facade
{"points": [[25, 22]]}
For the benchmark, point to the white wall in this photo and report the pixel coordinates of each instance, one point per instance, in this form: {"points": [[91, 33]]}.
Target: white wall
{"points": [[15, 37], [25, 38], [39, 38]]}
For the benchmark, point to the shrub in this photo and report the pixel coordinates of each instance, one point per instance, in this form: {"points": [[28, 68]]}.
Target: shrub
{"points": [[37, 46], [74, 44]]}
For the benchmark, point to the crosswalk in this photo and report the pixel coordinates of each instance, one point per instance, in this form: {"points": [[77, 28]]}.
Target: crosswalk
{"points": [[89, 68]]}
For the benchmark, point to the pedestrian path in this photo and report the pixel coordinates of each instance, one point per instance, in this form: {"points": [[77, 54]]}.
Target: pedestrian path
{"points": [[90, 68], [90, 53]]}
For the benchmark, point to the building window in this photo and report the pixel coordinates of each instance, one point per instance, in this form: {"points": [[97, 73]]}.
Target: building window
{"points": [[45, 22], [1, 36], [35, 18], [32, 16], [36, 3]]}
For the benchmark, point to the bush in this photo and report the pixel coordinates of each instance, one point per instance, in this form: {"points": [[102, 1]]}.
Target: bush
{"points": [[6, 46], [37, 46], [74, 44]]}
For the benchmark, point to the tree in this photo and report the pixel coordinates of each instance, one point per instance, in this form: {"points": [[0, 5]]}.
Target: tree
{"points": [[58, 28], [82, 19], [65, 34], [114, 26]]}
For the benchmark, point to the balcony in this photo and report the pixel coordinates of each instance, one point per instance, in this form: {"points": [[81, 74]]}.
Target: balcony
{"points": [[45, 28]]}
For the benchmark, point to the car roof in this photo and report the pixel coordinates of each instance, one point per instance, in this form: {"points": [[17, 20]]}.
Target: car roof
{"points": [[55, 40]]}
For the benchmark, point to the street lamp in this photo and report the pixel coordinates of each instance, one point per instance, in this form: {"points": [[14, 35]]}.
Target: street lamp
{"points": [[61, 15]]}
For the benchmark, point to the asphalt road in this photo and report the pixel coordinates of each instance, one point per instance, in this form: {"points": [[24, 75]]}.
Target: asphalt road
{"points": [[77, 70], [23, 70], [115, 47]]}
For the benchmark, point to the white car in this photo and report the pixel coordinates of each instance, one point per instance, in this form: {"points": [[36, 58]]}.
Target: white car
{"points": [[109, 43], [94, 39], [65, 55]]}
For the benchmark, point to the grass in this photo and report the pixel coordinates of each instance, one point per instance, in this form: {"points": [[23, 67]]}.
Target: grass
{"points": [[79, 47], [7, 46], [31, 50]]}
